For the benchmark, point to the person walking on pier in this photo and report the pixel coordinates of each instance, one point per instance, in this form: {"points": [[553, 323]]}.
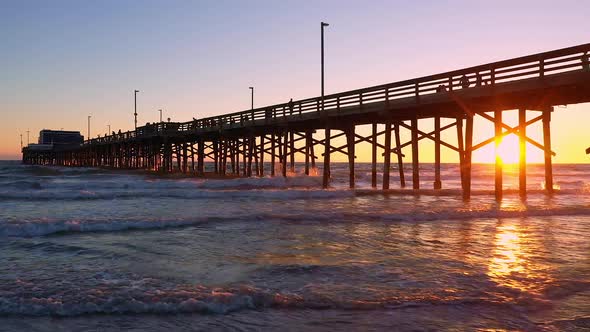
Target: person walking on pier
{"points": [[465, 82], [290, 104]]}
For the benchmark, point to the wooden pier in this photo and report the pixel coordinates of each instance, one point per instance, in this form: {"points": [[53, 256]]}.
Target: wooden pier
{"points": [[243, 143]]}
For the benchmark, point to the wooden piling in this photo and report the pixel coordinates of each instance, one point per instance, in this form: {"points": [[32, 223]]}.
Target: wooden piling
{"points": [[327, 147], [400, 161], [285, 153], [522, 154], [374, 156], [387, 155], [249, 153], [498, 140], [261, 170], [467, 158], [273, 154], [461, 152], [350, 138], [547, 150], [307, 146], [292, 151], [415, 163], [437, 181]]}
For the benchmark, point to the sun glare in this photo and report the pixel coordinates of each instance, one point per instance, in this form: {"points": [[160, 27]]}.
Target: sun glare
{"points": [[509, 150]]}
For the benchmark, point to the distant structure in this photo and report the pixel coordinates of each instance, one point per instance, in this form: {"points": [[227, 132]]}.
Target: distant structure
{"points": [[52, 141], [60, 137]]}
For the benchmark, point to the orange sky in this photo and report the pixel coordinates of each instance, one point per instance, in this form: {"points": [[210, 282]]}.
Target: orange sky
{"points": [[63, 62]]}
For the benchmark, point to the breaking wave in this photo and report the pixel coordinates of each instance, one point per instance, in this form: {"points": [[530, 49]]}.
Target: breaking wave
{"points": [[46, 227]]}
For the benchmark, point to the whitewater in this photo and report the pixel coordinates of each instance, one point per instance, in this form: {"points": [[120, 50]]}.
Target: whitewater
{"points": [[89, 248]]}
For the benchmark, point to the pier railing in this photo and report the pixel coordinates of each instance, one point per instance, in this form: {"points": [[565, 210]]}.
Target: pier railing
{"points": [[533, 66]]}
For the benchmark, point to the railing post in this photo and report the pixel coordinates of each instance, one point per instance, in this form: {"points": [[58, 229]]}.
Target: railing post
{"points": [[361, 100], [493, 77], [542, 68], [417, 91]]}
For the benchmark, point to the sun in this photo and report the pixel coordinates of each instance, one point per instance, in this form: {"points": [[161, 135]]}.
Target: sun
{"points": [[509, 150]]}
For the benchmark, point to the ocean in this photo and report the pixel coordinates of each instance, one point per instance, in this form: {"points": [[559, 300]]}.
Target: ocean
{"points": [[87, 249]]}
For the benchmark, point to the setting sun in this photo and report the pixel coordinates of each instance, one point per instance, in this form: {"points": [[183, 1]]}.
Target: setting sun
{"points": [[509, 150]]}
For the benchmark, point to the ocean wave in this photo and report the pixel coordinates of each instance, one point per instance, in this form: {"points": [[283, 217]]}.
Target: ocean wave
{"points": [[146, 296], [82, 195], [48, 227]]}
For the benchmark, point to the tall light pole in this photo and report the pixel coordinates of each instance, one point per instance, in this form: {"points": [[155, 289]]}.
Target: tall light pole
{"points": [[21, 141], [109, 132], [28, 138], [160, 115], [251, 97], [135, 95], [89, 126], [323, 25]]}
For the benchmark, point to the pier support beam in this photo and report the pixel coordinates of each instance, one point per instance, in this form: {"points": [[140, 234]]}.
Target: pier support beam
{"points": [[350, 142], [461, 151], [201, 157], [437, 181], [374, 156], [261, 169], [326, 177], [467, 158], [522, 155], [498, 141], [292, 152], [547, 150], [387, 155], [415, 162], [308, 142], [400, 161], [250, 147], [273, 154], [285, 152]]}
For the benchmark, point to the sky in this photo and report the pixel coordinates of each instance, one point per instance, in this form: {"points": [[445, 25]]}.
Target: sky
{"points": [[61, 61]]}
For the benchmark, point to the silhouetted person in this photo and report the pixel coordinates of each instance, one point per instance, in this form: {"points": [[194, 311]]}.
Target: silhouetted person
{"points": [[465, 82], [291, 106], [478, 79], [441, 88]]}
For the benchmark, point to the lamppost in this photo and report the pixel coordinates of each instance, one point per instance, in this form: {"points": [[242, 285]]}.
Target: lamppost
{"points": [[135, 95], [89, 126], [21, 141], [109, 132], [28, 138], [252, 97], [323, 25], [160, 115]]}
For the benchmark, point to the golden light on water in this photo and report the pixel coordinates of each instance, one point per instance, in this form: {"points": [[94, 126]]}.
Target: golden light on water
{"points": [[511, 264]]}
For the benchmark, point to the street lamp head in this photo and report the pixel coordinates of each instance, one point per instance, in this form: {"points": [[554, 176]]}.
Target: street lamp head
{"points": [[324, 24], [136, 91], [252, 88]]}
